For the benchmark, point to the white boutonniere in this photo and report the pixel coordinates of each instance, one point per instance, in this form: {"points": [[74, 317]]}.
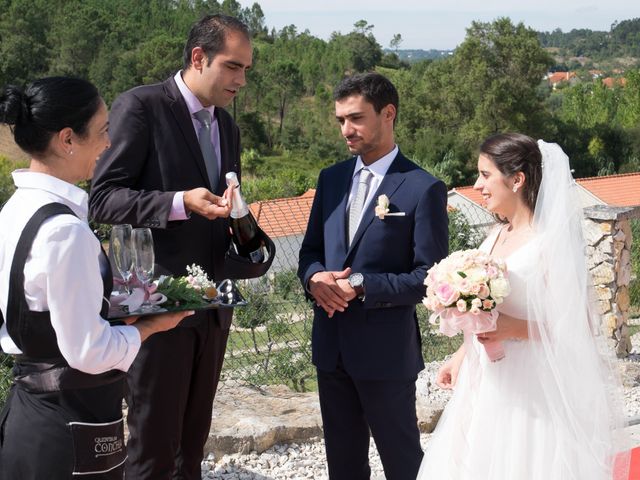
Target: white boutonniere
{"points": [[382, 208]]}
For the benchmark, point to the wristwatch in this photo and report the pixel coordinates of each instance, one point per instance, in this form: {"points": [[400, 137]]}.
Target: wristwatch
{"points": [[356, 280]]}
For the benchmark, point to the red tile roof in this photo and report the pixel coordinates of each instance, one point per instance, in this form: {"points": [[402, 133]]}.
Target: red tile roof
{"points": [[473, 195], [611, 82], [558, 77], [284, 217], [618, 190]]}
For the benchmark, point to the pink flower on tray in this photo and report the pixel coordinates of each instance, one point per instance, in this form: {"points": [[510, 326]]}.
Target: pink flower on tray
{"points": [[463, 291]]}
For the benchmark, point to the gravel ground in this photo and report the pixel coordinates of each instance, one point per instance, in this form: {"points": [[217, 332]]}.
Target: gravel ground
{"points": [[307, 461]]}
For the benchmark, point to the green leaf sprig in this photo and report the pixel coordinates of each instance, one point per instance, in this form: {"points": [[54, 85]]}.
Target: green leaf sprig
{"points": [[180, 292]]}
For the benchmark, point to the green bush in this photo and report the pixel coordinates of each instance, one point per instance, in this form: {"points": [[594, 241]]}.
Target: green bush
{"points": [[6, 182], [6, 377], [286, 183], [462, 235]]}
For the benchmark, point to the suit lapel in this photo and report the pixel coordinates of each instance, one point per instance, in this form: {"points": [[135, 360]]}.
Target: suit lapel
{"points": [[336, 221], [181, 114], [390, 183], [226, 159]]}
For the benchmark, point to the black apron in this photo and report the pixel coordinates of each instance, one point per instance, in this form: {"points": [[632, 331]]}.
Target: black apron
{"points": [[58, 423]]}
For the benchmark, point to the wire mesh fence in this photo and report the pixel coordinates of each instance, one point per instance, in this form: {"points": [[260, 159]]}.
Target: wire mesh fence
{"points": [[270, 340]]}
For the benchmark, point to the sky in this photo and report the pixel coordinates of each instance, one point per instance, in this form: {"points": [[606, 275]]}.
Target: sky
{"points": [[439, 24]]}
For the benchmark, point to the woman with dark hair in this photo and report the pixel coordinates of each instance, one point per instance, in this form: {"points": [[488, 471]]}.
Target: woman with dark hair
{"points": [[547, 410], [63, 416]]}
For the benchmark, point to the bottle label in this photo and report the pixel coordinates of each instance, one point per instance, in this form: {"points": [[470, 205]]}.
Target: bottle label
{"points": [[257, 256]]}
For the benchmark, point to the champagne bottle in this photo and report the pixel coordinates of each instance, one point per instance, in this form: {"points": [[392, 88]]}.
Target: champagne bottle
{"points": [[244, 227]]}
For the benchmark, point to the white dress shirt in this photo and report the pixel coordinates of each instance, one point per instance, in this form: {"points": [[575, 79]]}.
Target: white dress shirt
{"points": [[379, 169], [194, 106], [62, 275]]}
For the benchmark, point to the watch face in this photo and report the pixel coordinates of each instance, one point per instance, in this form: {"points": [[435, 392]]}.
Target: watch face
{"points": [[356, 280]]}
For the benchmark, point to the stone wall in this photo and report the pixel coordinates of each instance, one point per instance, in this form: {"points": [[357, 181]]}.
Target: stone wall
{"points": [[608, 236]]}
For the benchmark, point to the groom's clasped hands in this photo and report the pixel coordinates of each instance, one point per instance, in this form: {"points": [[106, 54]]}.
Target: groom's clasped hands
{"points": [[331, 290]]}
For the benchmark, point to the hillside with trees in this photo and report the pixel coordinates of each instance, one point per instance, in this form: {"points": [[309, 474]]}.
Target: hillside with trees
{"points": [[619, 48], [492, 82]]}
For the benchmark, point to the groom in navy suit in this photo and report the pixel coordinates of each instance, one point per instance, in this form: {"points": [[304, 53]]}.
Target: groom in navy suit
{"points": [[364, 268]]}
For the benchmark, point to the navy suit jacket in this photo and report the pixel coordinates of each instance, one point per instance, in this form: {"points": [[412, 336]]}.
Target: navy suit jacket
{"points": [[378, 338]]}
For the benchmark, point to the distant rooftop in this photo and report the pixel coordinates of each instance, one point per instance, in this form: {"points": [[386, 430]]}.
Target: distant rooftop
{"points": [[619, 190]]}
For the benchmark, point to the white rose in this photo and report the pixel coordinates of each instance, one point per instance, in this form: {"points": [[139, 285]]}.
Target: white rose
{"points": [[499, 287], [383, 202]]}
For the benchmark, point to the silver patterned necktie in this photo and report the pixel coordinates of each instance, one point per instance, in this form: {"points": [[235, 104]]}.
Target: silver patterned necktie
{"points": [[206, 146], [357, 204]]}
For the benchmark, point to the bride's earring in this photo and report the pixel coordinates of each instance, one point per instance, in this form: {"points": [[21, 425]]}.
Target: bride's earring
{"points": [[515, 189]]}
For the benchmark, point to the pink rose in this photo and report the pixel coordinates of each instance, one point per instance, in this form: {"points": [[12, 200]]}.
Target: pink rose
{"points": [[476, 303], [447, 294], [483, 291], [487, 304], [492, 272]]}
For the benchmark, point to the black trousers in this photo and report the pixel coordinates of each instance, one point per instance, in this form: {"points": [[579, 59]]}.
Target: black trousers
{"points": [[351, 408], [172, 384]]}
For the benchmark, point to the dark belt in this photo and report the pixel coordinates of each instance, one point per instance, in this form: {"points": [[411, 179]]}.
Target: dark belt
{"points": [[47, 377]]}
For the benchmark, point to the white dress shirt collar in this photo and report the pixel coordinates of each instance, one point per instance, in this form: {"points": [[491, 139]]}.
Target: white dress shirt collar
{"points": [[193, 104], [72, 196], [380, 167]]}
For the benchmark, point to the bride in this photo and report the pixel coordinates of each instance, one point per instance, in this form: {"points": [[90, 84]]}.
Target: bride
{"points": [[547, 411]]}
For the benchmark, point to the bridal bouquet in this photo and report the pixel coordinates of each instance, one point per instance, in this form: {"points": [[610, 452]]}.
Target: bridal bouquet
{"points": [[463, 291]]}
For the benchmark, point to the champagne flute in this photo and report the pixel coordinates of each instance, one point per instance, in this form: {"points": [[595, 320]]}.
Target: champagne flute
{"points": [[120, 249], [143, 259]]}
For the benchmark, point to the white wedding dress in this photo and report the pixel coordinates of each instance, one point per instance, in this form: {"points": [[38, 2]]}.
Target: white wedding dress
{"points": [[497, 425]]}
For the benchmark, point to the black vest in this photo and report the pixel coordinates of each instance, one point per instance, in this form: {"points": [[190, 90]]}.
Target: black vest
{"points": [[41, 365]]}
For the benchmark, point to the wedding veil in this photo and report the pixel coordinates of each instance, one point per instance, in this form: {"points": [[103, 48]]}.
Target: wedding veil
{"points": [[576, 375]]}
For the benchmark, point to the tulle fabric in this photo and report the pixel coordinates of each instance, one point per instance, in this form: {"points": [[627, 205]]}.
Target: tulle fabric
{"points": [[550, 410]]}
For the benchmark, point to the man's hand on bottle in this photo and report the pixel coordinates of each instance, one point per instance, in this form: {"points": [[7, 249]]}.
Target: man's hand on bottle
{"points": [[203, 202]]}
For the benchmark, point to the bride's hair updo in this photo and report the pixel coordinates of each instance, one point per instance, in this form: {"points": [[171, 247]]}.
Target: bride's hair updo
{"points": [[513, 153], [45, 107]]}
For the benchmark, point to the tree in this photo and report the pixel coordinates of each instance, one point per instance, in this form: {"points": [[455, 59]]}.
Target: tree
{"points": [[287, 83], [363, 27], [395, 42], [496, 72], [24, 46], [255, 20], [77, 31], [629, 106]]}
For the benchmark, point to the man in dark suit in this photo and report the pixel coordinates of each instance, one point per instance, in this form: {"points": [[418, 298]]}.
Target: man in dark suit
{"points": [[160, 173], [364, 263]]}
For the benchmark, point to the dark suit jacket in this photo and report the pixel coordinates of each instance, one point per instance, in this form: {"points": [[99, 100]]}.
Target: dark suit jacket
{"points": [[155, 153], [378, 338]]}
